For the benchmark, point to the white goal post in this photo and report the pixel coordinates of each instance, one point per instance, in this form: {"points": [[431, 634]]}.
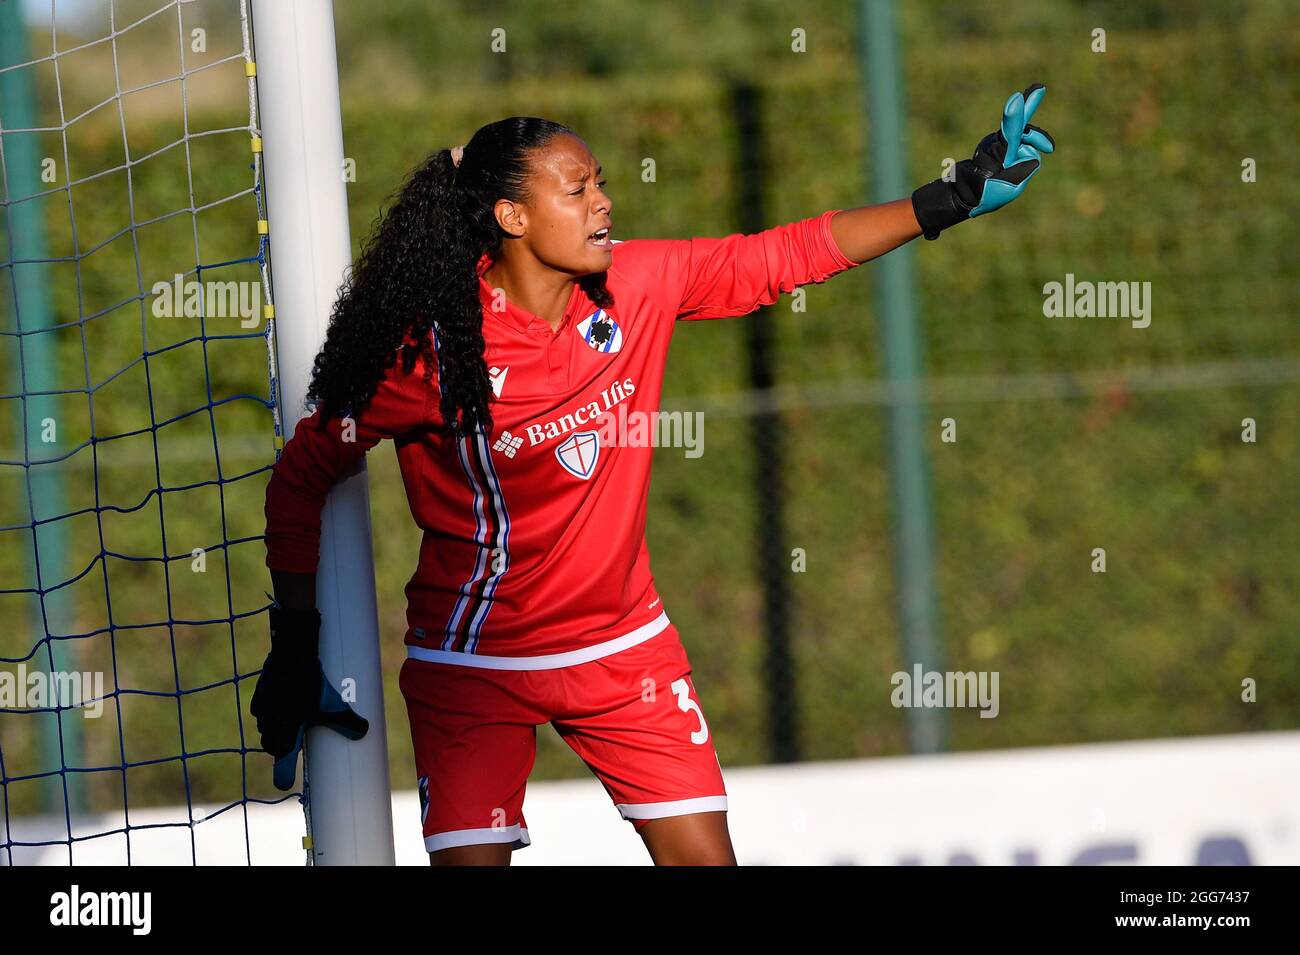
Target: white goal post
{"points": [[346, 783]]}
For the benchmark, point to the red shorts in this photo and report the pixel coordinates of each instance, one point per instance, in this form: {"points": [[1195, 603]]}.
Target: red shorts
{"points": [[633, 716]]}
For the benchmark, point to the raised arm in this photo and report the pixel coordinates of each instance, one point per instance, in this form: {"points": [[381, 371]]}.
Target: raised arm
{"points": [[870, 231], [715, 278], [704, 278]]}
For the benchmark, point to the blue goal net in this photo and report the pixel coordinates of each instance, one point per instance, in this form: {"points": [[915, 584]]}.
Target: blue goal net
{"points": [[139, 420]]}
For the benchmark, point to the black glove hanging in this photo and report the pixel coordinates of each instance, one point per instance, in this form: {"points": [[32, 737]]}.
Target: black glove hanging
{"points": [[292, 693]]}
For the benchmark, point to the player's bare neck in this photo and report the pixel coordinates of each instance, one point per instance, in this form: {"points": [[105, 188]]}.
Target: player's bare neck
{"points": [[533, 287]]}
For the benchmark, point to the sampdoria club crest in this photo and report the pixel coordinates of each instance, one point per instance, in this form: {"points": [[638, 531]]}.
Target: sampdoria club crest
{"points": [[601, 332]]}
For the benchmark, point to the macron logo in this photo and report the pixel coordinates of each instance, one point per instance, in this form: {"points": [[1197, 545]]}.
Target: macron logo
{"points": [[498, 378]]}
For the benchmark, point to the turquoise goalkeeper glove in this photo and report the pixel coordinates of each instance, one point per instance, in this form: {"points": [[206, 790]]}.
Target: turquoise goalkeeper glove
{"points": [[1003, 164], [292, 693]]}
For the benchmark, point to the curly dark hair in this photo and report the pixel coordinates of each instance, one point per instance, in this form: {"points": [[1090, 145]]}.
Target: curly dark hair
{"points": [[417, 268]]}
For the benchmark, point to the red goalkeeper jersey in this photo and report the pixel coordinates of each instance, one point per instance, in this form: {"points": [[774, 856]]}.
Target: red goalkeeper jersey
{"points": [[534, 552]]}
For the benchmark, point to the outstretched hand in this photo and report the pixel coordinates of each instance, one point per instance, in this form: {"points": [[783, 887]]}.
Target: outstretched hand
{"points": [[1016, 129], [1005, 160], [998, 171]]}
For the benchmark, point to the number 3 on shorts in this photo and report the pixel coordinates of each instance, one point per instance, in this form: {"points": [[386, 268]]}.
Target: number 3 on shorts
{"points": [[684, 703]]}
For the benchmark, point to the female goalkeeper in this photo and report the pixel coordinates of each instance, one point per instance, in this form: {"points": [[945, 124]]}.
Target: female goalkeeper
{"points": [[498, 334]]}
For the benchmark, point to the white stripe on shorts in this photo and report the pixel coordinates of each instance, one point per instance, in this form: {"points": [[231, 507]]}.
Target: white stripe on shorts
{"points": [[544, 661], [679, 807], [474, 837]]}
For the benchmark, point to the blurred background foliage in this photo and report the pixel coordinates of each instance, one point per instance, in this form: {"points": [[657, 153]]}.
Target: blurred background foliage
{"points": [[1199, 528]]}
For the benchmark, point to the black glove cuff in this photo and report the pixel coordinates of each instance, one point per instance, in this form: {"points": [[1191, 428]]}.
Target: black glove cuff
{"points": [[937, 207], [295, 633]]}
